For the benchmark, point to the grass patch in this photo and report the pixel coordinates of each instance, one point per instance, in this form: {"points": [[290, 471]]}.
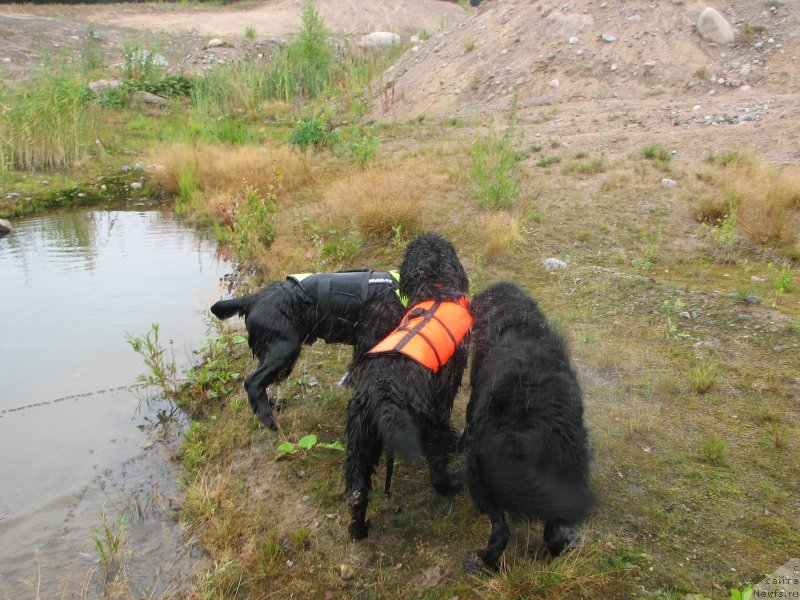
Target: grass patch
{"points": [[45, 124]]}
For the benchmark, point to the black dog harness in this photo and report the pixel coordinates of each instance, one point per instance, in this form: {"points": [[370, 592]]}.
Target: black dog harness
{"points": [[339, 297]]}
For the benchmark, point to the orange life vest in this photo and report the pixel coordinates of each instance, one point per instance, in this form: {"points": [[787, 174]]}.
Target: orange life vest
{"points": [[429, 333]]}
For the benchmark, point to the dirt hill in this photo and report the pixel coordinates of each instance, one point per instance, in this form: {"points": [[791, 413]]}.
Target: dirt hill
{"points": [[550, 52]]}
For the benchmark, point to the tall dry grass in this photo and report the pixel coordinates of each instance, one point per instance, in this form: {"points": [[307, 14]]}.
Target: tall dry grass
{"points": [[218, 168], [767, 202], [501, 234], [383, 205]]}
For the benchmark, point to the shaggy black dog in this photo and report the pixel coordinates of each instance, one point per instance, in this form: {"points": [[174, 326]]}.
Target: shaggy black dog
{"points": [[399, 405], [526, 445], [352, 307]]}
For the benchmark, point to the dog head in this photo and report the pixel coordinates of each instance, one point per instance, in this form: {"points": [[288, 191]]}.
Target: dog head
{"points": [[431, 270]]}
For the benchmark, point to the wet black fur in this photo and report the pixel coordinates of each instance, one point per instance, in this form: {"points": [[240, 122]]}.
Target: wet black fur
{"points": [[397, 404], [526, 445], [281, 317]]}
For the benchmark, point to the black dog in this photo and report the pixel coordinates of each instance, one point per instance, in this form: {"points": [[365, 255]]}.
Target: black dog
{"points": [[399, 405], [526, 445], [351, 307]]}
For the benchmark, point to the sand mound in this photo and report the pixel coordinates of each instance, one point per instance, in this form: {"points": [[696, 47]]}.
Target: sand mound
{"points": [[547, 52]]}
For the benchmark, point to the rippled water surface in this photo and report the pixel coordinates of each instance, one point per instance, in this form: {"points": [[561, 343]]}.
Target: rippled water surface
{"points": [[74, 439]]}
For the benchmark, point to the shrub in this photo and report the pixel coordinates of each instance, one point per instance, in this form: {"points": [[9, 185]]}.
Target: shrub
{"points": [[254, 226], [311, 131]]}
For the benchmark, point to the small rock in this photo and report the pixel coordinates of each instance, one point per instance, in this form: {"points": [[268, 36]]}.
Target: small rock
{"points": [[136, 185], [414, 39], [753, 299], [346, 572], [5, 227], [756, 278], [608, 38], [744, 318], [104, 188], [573, 40], [12, 195], [554, 84], [215, 43], [7, 60], [669, 183], [554, 264], [778, 348]]}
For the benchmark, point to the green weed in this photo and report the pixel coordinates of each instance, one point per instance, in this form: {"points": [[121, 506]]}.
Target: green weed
{"points": [[160, 361], [703, 377], [254, 225], [594, 166], [784, 283], [249, 33], [656, 151], [307, 442], [215, 377], [344, 249], [225, 580], [712, 450], [109, 540], [311, 131], [548, 161], [361, 145], [495, 170], [141, 64]]}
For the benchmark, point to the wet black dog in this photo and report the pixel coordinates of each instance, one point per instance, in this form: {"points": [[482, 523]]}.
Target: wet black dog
{"points": [[357, 308], [399, 405], [526, 445]]}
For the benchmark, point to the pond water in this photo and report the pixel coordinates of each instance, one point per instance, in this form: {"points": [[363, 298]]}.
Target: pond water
{"points": [[78, 446]]}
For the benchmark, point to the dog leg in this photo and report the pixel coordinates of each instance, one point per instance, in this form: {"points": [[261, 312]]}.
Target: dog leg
{"points": [[275, 364], [558, 537], [437, 447], [363, 453], [498, 540]]}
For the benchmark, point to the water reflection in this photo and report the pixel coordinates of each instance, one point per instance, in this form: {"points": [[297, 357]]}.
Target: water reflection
{"points": [[74, 283]]}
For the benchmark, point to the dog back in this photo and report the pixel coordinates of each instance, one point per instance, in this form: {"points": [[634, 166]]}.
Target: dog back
{"points": [[339, 298]]}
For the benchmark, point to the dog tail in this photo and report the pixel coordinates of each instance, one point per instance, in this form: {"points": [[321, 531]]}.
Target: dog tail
{"points": [[399, 432], [524, 477], [225, 309]]}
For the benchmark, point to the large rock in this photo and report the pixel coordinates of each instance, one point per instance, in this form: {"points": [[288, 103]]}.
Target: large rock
{"points": [[5, 227], [148, 98], [378, 39], [713, 27], [101, 85]]}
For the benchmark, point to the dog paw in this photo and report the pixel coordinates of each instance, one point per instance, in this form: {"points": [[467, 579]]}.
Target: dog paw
{"points": [[265, 417], [473, 563], [453, 485], [359, 530], [564, 539]]}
